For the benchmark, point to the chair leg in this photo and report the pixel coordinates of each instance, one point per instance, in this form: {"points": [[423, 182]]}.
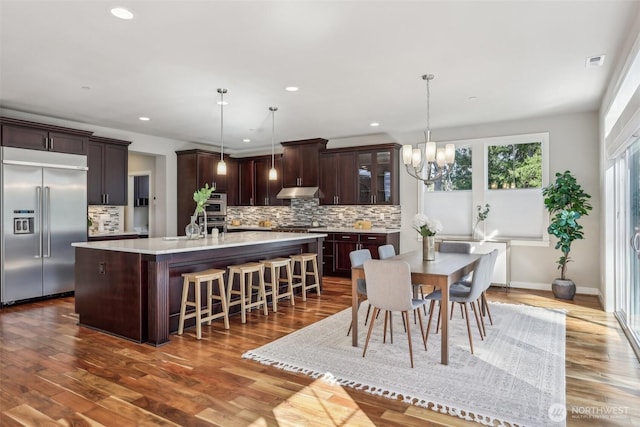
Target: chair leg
{"points": [[198, 310], [183, 306], [366, 319], [476, 309], [405, 316], [451, 310], [366, 343], [384, 334], [479, 308], [439, 316], [424, 341], [486, 306], [431, 310], [468, 326]]}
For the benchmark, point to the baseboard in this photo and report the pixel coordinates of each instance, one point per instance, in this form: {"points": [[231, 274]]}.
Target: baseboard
{"points": [[547, 287]]}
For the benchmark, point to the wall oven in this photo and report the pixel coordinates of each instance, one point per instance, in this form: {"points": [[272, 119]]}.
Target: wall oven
{"points": [[215, 211]]}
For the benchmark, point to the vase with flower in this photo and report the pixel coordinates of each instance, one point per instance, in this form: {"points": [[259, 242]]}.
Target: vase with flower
{"points": [[192, 230], [427, 228]]}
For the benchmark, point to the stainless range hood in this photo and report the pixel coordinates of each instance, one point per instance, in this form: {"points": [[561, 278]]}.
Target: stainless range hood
{"points": [[298, 193]]}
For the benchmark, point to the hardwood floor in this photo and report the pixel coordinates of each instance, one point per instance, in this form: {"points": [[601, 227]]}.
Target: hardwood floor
{"points": [[56, 373]]}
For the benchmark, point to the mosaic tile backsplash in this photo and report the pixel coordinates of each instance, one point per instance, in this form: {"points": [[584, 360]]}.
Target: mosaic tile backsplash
{"points": [[305, 211], [111, 217]]}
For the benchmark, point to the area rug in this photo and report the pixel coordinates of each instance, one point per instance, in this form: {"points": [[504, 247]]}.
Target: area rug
{"points": [[515, 377]]}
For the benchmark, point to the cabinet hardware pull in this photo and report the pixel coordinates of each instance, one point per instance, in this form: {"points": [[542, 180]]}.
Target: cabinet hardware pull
{"points": [[346, 237], [371, 238], [51, 143]]}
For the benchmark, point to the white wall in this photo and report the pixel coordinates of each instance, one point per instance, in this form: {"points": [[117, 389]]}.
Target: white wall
{"points": [[573, 145]]}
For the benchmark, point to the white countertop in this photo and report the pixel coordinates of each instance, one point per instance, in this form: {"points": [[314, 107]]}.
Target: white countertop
{"points": [[170, 245]]}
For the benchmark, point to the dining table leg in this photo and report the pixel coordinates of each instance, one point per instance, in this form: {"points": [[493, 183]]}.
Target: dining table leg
{"points": [[356, 273], [443, 284]]}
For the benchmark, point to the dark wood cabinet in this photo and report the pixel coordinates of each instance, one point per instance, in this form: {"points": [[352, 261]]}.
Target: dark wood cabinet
{"points": [[107, 160], [378, 176], [338, 246], [37, 136], [338, 178], [141, 190], [265, 189], [301, 162], [197, 168], [255, 187]]}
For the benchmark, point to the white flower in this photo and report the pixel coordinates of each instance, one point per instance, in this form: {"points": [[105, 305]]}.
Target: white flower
{"points": [[426, 226]]}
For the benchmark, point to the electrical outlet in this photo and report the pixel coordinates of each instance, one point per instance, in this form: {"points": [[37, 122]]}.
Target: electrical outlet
{"points": [[340, 216], [382, 216], [277, 214]]}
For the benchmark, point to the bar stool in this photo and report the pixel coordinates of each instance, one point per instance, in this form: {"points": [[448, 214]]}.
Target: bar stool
{"points": [[274, 265], [245, 271], [303, 259], [197, 278]]}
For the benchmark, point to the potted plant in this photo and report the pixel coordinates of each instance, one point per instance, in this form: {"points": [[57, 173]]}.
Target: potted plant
{"points": [[566, 202]]}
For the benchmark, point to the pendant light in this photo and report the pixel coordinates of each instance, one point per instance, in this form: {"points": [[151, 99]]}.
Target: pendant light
{"points": [[273, 173], [222, 166]]}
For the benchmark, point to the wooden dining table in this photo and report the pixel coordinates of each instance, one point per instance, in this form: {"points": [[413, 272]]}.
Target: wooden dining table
{"points": [[446, 269]]}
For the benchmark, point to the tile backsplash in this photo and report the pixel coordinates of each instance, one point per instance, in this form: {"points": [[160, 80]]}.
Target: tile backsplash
{"points": [[304, 211], [112, 218]]}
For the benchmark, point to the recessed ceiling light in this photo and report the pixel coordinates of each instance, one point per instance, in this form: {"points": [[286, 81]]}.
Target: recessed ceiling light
{"points": [[85, 87], [473, 98], [246, 140], [144, 119], [374, 124], [291, 88], [222, 103], [122, 13]]}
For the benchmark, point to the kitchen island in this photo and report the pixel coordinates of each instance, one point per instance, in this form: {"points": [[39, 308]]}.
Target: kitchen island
{"points": [[132, 288]]}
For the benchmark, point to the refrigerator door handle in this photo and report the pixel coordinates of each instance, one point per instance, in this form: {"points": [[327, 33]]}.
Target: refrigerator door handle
{"points": [[46, 214], [39, 219]]}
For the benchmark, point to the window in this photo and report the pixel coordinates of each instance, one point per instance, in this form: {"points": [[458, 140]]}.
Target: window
{"points": [[514, 166], [508, 172], [460, 175]]}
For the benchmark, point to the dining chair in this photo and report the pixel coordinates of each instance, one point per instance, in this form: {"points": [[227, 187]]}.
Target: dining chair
{"points": [[389, 288], [481, 275], [462, 287], [389, 251], [358, 258], [455, 247]]}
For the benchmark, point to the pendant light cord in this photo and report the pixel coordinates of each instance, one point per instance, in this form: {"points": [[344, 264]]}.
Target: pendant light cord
{"points": [[222, 92]]}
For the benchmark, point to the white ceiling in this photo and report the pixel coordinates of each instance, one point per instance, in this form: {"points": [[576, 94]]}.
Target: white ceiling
{"points": [[355, 62]]}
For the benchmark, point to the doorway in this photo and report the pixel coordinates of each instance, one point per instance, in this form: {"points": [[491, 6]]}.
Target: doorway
{"points": [[627, 288]]}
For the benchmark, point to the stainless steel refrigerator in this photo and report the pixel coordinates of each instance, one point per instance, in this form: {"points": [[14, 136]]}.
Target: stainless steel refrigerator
{"points": [[44, 210]]}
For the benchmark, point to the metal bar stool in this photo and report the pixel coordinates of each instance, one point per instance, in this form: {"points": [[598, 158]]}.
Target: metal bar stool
{"points": [[303, 259], [274, 265], [245, 271], [197, 278]]}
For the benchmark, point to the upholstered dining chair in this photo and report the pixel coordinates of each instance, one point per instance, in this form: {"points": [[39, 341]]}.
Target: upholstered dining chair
{"points": [[462, 287], [358, 258], [455, 247], [389, 289], [481, 275], [388, 251]]}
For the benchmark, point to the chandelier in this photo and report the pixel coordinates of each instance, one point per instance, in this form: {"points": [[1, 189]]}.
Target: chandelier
{"points": [[431, 164]]}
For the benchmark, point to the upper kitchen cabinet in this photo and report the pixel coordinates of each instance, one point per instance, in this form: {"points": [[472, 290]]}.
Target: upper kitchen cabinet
{"points": [[338, 177], [195, 169], [301, 162], [255, 187], [108, 161], [265, 189], [37, 136], [378, 176]]}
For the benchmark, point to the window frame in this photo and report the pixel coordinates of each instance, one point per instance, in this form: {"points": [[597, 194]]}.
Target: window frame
{"points": [[480, 177]]}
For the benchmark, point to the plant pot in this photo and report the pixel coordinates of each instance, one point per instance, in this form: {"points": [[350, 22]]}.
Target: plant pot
{"points": [[563, 289]]}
